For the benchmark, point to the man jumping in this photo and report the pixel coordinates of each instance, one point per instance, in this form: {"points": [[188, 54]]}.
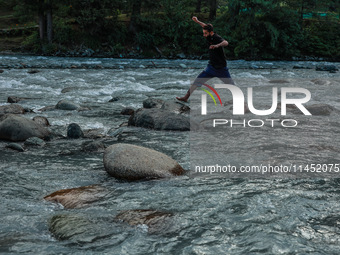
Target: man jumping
{"points": [[217, 66]]}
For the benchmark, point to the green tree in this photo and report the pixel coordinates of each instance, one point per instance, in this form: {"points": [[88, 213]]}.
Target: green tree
{"points": [[260, 29]]}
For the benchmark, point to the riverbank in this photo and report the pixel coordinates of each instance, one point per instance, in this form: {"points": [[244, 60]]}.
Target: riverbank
{"points": [[151, 54], [12, 61]]}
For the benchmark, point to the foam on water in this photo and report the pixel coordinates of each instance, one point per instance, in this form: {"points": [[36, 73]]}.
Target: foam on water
{"points": [[249, 75]]}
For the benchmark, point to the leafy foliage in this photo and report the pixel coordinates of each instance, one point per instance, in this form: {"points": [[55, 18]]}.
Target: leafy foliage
{"points": [[255, 29]]}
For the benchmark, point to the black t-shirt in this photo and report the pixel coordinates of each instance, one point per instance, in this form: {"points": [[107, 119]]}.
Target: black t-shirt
{"points": [[216, 56]]}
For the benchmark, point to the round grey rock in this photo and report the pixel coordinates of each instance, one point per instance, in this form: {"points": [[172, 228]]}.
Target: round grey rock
{"points": [[18, 128], [74, 131], [15, 146], [34, 141], [66, 105], [131, 162]]}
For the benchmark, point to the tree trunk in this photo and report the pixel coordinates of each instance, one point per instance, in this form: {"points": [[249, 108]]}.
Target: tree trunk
{"points": [[49, 22], [301, 13], [41, 20], [198, 6], [136, 10], [213, 7]]}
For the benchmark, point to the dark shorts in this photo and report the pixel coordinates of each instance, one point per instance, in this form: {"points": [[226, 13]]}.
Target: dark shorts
{"points": [[211, 72]]}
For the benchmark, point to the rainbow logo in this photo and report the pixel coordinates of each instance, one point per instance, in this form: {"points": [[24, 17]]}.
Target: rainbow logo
{"points": [[211, 95]]}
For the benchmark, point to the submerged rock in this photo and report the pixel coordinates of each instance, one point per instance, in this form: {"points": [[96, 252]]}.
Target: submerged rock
{"points": [[34, 141], [70, 227], [68, 89], [13, 100], [114, 99], [15, 146], [127, 111], [321, 82], [94, 133], [279, 81], [153, 103], [328, 68], [47, 108], [159, 119], [320, 109], [32, 71], [131, 162], [93, 146], [149, 220], [17, 128], [77, 197], [11, 109], [67, 105]]}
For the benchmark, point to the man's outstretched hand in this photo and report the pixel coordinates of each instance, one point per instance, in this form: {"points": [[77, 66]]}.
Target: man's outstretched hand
{"points": [[194, 18]]}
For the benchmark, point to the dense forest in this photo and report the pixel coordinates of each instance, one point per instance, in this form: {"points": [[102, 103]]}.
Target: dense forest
{"points": [[255, 29]]}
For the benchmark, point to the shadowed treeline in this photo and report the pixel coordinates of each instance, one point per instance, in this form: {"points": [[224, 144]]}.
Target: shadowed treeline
{"points": [[255, 29]]}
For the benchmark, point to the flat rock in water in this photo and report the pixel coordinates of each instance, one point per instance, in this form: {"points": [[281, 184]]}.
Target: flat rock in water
{"points": [[70, 227], [153, 221], [77, 197], [15, 146], [279, 81], [93, 146], [320, 109], [160, 119], [32, 71], [328, 68], [17, 128], [175, 106], [34, 141], [131, 162]]}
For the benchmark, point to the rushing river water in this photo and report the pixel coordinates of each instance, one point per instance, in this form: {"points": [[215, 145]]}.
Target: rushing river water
{"points": [[211, 215]]}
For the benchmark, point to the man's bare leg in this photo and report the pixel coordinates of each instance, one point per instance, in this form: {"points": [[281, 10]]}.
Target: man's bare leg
{"points": [[187, 95]]}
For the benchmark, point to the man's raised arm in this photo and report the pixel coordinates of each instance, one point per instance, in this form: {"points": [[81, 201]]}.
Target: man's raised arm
{"points": [[198, 22]]}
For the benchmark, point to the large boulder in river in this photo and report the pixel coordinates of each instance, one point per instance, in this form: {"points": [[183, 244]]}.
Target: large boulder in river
{"points": [[11, 109], [17, 128], [159, 119], [131, 162]]}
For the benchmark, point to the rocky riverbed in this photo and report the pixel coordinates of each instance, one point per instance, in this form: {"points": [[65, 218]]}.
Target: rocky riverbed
{"points": [[95, 158]]}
